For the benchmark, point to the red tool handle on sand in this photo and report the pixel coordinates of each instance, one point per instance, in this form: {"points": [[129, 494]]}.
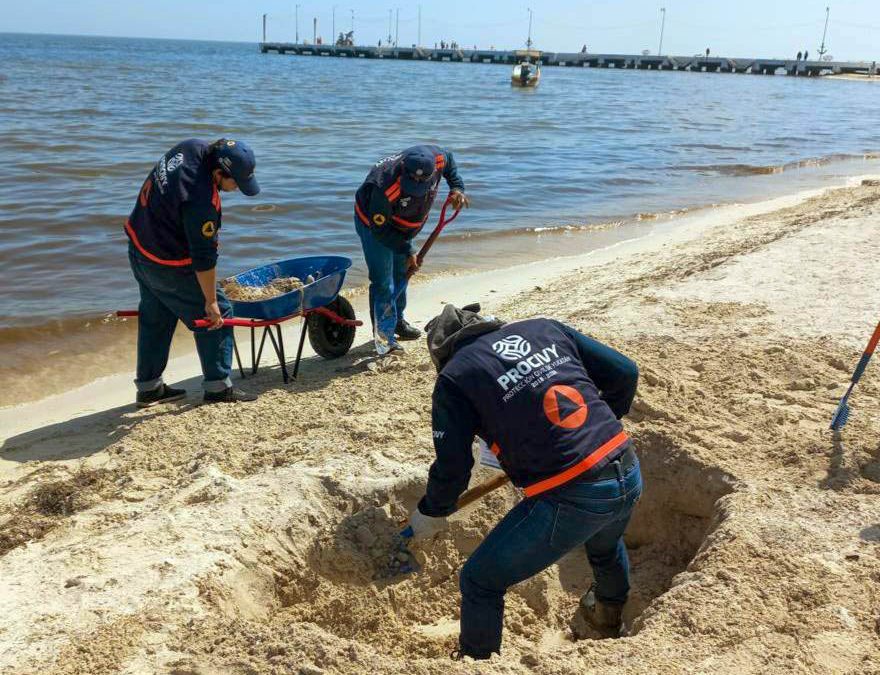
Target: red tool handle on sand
{"points": [[874, 341], [869, 350], [443, 222]]}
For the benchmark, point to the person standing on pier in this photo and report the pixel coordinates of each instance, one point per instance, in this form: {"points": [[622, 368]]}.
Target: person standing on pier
{"points": [[391, 207], [173, 237]]}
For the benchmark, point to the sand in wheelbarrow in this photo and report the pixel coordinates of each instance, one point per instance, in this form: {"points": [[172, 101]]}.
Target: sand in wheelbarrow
{"points": [[276, 287]]}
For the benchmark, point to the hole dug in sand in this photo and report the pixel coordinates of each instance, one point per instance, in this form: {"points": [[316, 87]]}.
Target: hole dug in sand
{"points": [[328, 579]]}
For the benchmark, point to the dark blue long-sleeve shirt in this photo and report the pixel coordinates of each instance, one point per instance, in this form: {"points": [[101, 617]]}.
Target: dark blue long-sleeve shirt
{"points": [[456, 421]]}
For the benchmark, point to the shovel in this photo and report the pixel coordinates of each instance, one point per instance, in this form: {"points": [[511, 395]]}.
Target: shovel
{"points": [[841, 415], [420, 256], [402, 559]]}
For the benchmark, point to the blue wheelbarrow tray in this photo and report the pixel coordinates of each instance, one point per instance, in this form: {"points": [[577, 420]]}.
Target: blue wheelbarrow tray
{"points": [[328, 270]]}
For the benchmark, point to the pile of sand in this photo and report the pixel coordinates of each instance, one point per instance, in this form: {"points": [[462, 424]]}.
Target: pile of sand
{"points": [[278, 286], [252, 538]]}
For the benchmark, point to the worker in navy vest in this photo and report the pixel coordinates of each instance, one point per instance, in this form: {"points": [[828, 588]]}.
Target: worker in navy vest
{"points": [[173, 238], [547, 400], [391, 207]]}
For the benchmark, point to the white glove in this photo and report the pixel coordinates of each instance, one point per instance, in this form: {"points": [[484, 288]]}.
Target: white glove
{"points": [[425, 527]]}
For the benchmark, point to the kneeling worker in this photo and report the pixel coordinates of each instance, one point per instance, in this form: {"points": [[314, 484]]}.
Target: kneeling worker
{"points": [[547, 400], [173, 237], [391, 207]]}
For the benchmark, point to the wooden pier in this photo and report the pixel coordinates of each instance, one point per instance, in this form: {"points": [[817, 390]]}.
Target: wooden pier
{"points": [[709, 64]]}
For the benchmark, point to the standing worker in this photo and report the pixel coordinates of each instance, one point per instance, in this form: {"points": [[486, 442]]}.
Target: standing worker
{"points": [[391, 207], [547, 400], [173, 237]]}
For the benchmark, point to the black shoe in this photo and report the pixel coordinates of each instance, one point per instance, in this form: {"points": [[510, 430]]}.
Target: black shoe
{"points": [[161, 394], [405, 331], [605, 618], [229, 395]]}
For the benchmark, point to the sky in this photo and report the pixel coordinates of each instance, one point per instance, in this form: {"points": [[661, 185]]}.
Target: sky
{"points": [[764, 28]]}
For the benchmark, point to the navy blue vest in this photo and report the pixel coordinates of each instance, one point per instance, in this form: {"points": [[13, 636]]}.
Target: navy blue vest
{"points": [[155, 225], [539, 411], [408, 213]]}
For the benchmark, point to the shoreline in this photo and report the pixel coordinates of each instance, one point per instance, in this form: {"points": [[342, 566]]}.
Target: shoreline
{"points": [[230, 539], [69, 343], [426, 299]]}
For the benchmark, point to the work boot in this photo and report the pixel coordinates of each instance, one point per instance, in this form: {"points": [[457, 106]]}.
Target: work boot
{"points": [[229, 395], [405, 331], [603, 617], [161, 394]]}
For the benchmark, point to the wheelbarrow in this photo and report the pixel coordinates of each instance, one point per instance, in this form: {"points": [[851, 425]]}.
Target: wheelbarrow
{"points": [[329, 319]]}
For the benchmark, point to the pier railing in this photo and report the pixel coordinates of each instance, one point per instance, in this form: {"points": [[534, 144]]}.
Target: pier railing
{"points": [[712, 64]]}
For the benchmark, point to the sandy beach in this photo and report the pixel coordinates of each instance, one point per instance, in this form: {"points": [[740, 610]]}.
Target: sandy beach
{"points": [[245, 539]]}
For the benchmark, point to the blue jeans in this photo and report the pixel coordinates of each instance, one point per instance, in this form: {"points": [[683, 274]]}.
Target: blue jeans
{"points": [[387, 271], [169, 294], [535, 534]]}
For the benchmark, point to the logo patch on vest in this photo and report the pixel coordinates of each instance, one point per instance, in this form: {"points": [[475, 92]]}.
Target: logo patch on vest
{"points": [[208, 229], [512, 348], [379, 219], [565, 407]]}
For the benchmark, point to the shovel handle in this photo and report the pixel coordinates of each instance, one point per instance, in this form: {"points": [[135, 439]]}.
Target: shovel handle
{"points": [[481, 490], [441, 223]]}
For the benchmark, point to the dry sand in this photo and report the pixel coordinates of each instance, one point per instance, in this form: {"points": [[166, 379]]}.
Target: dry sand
{"points": [[245, 539]]}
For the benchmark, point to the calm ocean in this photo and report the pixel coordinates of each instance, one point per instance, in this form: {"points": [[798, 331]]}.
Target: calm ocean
{"points": [[82, 121]]}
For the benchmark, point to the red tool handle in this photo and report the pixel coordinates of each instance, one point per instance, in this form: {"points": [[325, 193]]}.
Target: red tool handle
{"points": [[204, 323], [443, 222], [259, 323], [875, 339]]}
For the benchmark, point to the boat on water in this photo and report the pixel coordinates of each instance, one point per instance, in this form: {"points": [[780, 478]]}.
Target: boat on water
{"points": [[525, 74]]}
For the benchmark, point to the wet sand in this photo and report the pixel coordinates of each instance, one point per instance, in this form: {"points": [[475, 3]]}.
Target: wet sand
{"points": [[245, 539]]}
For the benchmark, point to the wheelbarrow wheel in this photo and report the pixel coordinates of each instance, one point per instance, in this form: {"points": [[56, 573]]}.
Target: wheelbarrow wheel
{"points": [[328, 338]]}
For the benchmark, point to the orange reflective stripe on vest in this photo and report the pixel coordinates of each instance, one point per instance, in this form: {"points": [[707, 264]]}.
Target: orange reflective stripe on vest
{"points": [[149, 256], [572, 472], [440, 162], [406, 223], [360, 214], [393, 191]]}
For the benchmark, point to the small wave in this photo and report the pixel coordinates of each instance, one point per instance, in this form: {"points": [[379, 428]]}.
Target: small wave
{"points": [[756, 170], [264, 208]]}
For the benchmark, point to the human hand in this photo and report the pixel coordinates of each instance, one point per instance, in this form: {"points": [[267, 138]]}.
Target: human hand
{"points": [[459, 199], [412, 264], [424, 527], [212, 314]]}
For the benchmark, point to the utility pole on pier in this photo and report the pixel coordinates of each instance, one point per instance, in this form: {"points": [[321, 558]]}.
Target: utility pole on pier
{"points": [[822, 49], [529, 40], [397, 27], [264, 27], [334, 25], [389, 27], [315, 30], [662, 26], [352, 23], [419, 44], [296, 21]]}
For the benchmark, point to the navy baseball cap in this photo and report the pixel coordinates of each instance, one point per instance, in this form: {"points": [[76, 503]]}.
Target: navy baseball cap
{"points": [[418, 169], [237, 159]]}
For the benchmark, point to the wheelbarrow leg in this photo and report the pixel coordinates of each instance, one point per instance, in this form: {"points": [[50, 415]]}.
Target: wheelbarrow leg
{"points": [[302, 341], [266, 331], [237, 355], [253, 351], [278, 346], [281, 358]]}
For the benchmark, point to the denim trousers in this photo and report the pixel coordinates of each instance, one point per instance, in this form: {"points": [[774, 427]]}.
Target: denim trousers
{"points": [[536, 533], [387, 271], [168, 294]]}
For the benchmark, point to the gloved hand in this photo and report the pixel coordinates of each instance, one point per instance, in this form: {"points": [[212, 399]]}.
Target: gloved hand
{"points": [[424, 527], [459, 199]]}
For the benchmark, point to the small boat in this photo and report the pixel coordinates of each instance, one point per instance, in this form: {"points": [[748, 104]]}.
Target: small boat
{"points": [[525, 74]]}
